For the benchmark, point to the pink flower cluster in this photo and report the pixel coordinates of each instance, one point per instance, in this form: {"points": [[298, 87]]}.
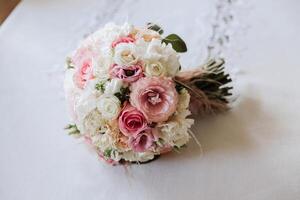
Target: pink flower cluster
{"points": [[130, 73], [152, 99]]}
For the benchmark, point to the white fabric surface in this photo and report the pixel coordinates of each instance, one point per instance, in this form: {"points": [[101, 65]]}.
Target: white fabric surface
{"points": [[250, 153]]}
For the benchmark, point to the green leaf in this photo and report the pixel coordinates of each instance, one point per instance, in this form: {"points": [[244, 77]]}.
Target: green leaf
{"points": [[155, 27], [123, 95], [177, 43]]}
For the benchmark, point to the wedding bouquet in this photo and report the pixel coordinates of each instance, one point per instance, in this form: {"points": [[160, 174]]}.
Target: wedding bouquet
{"points": [[128, 97]]}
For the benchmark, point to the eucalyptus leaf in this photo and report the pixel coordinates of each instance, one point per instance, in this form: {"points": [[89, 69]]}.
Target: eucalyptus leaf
{"points": [[177, 43], [155, 27]]}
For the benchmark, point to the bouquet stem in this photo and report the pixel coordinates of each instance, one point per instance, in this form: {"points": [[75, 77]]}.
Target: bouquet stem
{"points": [[208, 86]]}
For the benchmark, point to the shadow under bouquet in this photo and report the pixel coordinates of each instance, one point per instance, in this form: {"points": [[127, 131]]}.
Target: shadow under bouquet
{"points": [[128, 97]]}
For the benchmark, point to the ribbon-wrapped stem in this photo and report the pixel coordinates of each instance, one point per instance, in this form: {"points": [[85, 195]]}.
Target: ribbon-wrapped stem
{"points": [[208, 86]]}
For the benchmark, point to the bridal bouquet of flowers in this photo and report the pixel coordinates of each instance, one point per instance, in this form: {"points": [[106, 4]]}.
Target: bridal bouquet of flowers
{"points": [[129, 98]]}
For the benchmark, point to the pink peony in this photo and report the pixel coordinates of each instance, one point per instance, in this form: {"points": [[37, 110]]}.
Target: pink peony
{"points": [[143, 141], [127, 74], [83, 66], [122, 40], [131, 121], [155, 97]]}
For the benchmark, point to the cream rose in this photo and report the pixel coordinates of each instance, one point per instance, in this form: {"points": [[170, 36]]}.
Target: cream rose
{"points": [[125, 54], [154, 68], [109, 106]]}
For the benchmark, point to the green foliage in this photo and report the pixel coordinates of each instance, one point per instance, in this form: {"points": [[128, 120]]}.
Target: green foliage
{"points": [[72, 129], [214, 80], [155, 27], [177, 43], [100, 86], [123, 95]]}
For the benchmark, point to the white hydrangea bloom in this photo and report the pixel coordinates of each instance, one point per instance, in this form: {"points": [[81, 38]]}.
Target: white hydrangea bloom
{"points": [[175, 131], [104, 141], [93, 124]]}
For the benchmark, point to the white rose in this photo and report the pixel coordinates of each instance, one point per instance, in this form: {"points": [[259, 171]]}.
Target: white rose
{"points": [[147, 34], [125, 54], [154, 69], [165, 54], [109, 106], [113, 86]]}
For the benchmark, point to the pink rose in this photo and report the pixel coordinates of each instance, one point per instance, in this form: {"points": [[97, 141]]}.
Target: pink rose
{"points": [[131, 121], [143, 141], [127, 74], [155, 97], [122, 40], [83, 66]]}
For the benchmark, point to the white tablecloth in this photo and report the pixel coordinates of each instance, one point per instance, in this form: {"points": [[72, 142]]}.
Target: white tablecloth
{"points": [[250, 153]]}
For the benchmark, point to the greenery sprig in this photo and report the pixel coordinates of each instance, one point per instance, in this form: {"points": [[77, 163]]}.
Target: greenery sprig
{"points": [[123, 95], [100, 86], [72, 129], [177, 43]]}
